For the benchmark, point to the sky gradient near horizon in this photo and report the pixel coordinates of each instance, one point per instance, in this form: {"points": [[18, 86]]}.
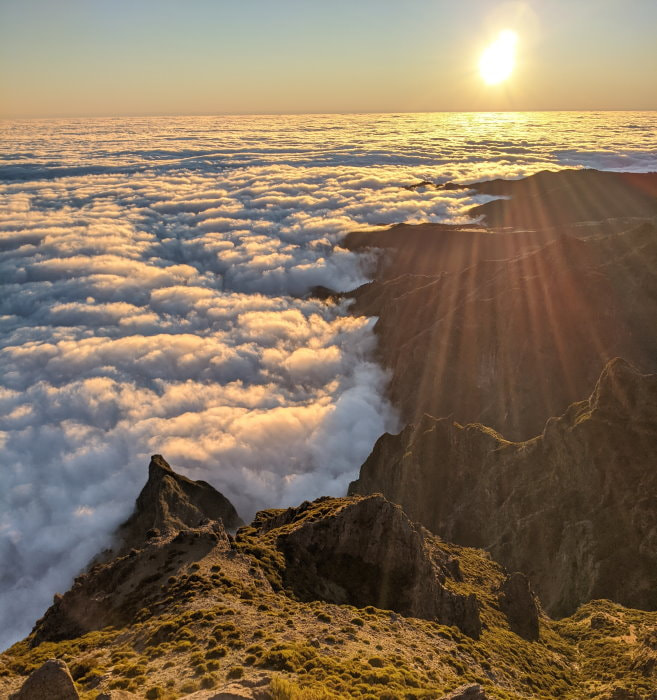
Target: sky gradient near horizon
{"points": [[132, 57]]}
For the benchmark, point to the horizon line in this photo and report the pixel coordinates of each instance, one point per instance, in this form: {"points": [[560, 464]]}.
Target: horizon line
{"points": [[151, 115]]}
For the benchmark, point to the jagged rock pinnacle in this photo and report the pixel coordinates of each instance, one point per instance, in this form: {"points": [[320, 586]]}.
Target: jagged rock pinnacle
{"points": [[170, 502]]}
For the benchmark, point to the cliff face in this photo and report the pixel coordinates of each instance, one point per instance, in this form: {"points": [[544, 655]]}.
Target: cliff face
{"points": [[508, 328], [511, 342], [574, 508], [367, 552], [505, 324]]}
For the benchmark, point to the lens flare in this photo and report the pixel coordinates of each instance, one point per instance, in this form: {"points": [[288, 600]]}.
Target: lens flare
{"points": [[498, 60]]}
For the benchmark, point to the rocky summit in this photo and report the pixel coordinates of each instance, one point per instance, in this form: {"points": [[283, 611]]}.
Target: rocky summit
{"points": [[169, 502]]}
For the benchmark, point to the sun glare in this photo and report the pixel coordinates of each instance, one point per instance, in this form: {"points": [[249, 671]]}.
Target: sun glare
{"points": [[497, 61]]}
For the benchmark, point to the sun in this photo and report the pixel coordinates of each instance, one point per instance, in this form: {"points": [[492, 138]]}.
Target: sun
{"points": [[498, 60]]}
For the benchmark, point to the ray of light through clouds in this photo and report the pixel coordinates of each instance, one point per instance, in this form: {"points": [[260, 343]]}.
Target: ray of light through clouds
{"points": [[155, 278]]}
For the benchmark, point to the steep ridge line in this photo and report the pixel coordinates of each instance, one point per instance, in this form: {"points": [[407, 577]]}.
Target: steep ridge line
{"points": [[489, 325], [574, 508]]}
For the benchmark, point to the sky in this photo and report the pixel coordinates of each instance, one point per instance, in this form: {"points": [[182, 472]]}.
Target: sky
{"points": [[149, 57]]}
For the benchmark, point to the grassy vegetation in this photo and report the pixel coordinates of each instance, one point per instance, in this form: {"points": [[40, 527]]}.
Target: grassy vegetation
{"points": [[222, 620]]}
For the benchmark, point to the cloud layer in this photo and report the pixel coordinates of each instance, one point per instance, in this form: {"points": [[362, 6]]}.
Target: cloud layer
{"points": [[155, 277]]}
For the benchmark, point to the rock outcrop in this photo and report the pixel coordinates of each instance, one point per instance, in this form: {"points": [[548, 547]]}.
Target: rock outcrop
{"points": [[519, 604], [170, 511], [574, 508], [367, 552], [52, 681], [170, 502]]}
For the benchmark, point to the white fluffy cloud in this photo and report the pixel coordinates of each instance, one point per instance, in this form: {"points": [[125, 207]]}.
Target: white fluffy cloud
{"points": [[155, 278]]}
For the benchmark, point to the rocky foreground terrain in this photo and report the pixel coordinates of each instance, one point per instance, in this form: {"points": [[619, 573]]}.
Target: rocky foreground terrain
{"points": [[523, 356], [342, 597]]}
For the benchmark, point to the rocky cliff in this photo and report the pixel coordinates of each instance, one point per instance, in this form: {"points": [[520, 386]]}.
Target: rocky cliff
{"points": [[506, 327], [574, 508], [169, 502], [367, 552], [505, 324]]}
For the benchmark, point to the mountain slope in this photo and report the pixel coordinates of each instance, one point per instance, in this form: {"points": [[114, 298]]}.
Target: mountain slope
{"points": [[575, 508], [288, 610], [509, 327]]}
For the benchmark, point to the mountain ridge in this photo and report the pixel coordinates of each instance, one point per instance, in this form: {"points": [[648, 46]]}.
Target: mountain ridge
{"points": [[256, 617], [542, 506]]}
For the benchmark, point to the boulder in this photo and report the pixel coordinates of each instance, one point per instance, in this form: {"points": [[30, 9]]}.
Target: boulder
{"points": [[467, 692], [52, 681]]}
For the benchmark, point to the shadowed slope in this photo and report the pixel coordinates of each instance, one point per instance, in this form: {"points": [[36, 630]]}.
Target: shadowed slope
{"points": [[509, 328], [574, 508], [569, 197]]}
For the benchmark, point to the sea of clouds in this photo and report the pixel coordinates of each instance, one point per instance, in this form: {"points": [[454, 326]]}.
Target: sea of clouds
{"points": [[156, 277]]}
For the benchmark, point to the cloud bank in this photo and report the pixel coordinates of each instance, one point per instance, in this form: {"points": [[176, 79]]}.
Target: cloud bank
{"points": [[155, 277]]}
